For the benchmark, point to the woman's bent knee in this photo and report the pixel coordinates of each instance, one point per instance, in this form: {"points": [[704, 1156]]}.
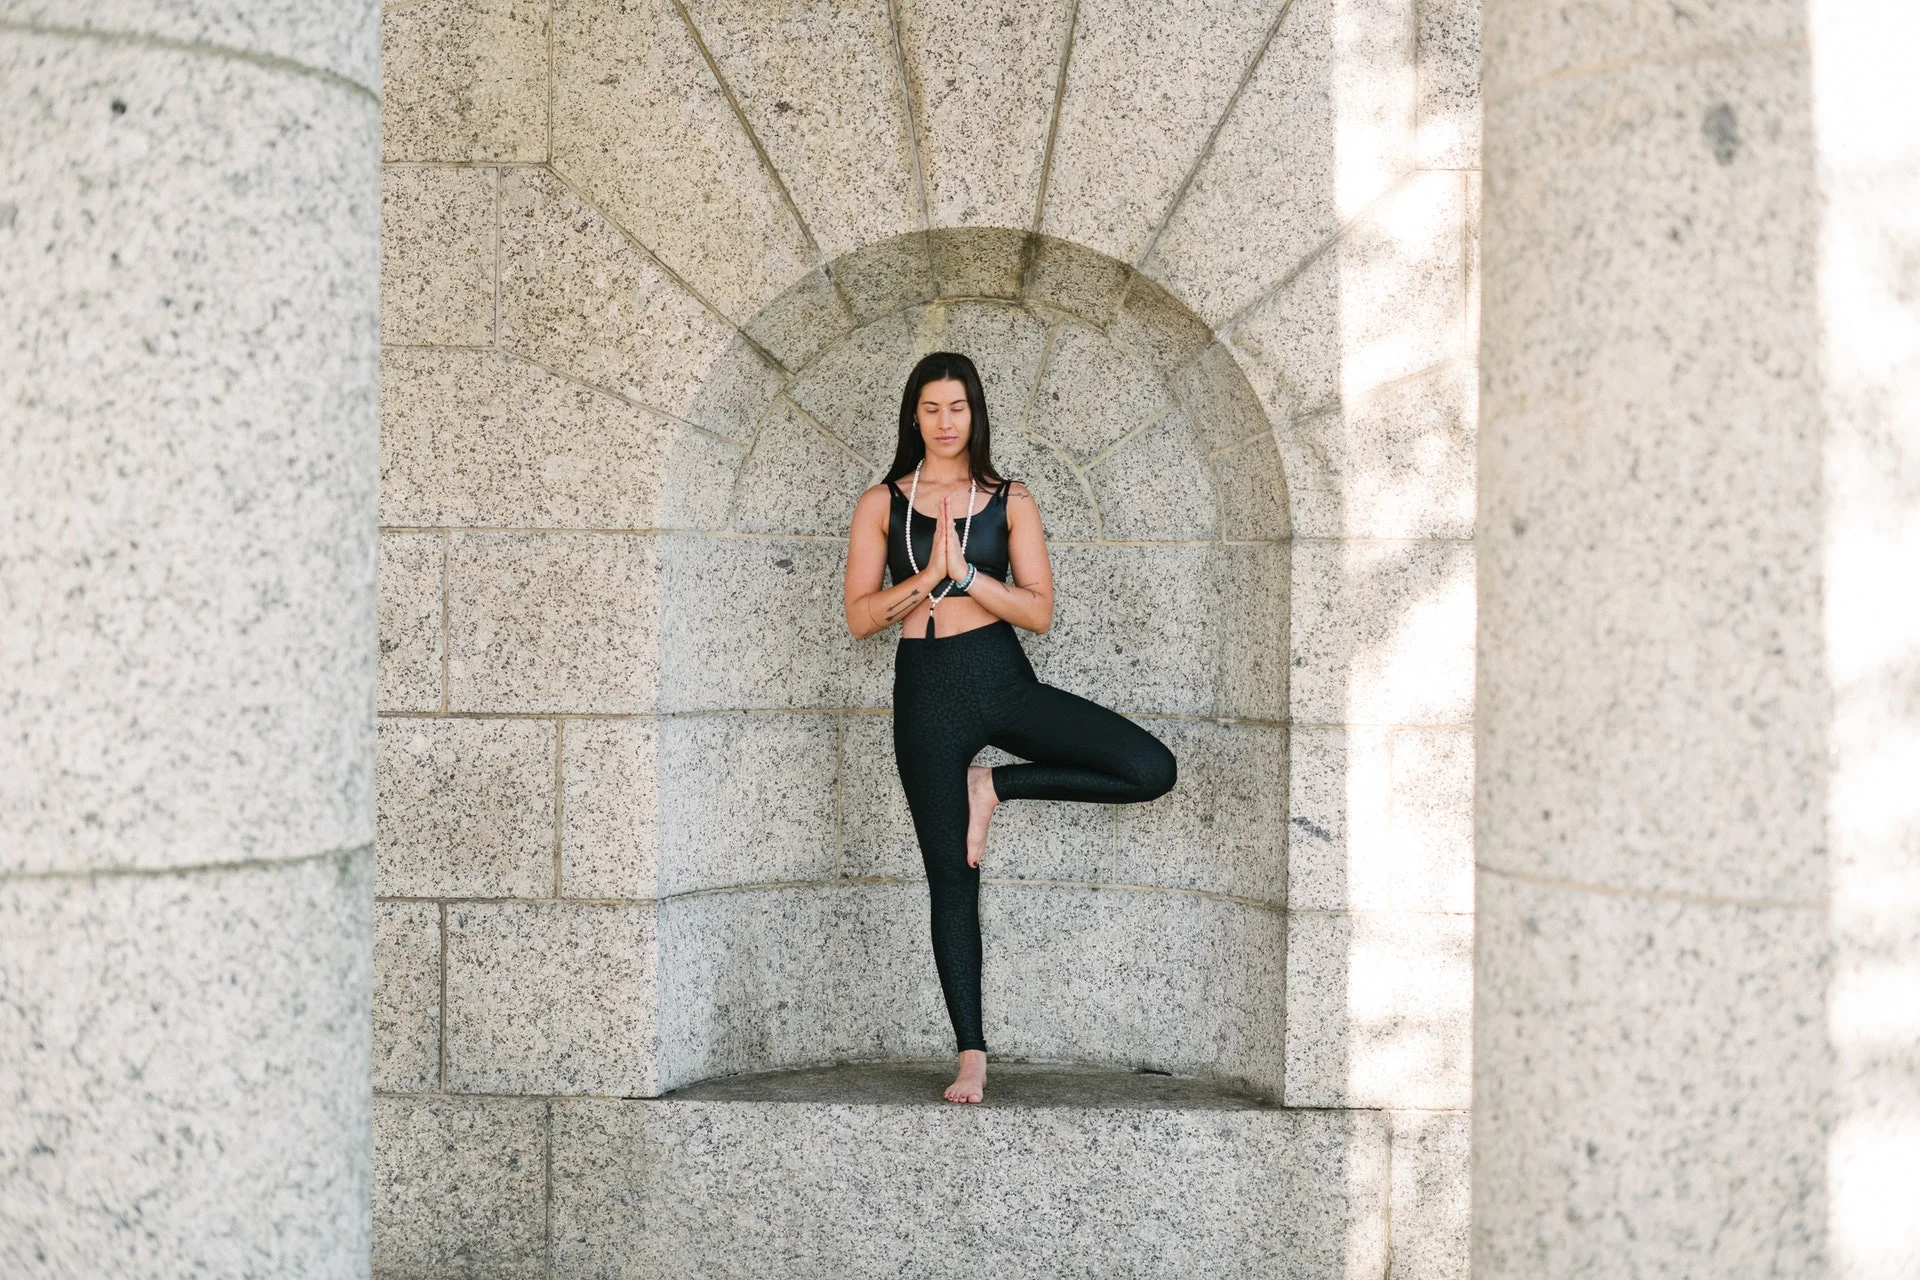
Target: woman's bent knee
{"points": [[1158, 771]]}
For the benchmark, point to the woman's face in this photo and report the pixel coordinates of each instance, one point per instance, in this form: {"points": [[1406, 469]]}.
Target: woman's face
{"points": [[946, 419]]}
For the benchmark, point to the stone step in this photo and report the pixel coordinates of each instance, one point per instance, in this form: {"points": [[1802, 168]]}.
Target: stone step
{"points": [[864, 1171]]}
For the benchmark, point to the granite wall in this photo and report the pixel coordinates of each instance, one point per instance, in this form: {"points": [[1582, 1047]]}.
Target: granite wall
{"points": [[652, 277], [189, 219]]}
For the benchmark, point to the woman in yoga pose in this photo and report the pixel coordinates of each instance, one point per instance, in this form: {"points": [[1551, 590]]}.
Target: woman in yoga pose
{"points": [[961, 681]]}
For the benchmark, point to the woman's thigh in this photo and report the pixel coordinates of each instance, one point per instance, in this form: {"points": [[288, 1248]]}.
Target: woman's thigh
{"points": [[1052, 726]]}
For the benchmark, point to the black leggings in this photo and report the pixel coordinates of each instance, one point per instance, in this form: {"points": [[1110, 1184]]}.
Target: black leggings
{"points": [[953, 695]]}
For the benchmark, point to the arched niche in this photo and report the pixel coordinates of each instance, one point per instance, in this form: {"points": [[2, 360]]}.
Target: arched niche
{"points": [[792, 923]]}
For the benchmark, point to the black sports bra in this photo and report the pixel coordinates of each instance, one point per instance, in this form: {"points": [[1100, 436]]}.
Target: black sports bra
{"points": [[986, 540]]}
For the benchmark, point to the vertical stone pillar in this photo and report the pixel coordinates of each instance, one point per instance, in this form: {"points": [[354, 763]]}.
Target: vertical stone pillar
{"points": [[1698, 464], [189, 204]]}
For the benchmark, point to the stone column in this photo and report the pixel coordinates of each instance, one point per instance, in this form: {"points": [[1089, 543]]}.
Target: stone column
{"points": [[189, 203], [1699, 465]]}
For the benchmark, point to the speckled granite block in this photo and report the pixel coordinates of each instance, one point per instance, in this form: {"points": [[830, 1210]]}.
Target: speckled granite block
{"points": [[406, 997], [436, 255], [466, 808], [344, 40], [410, 640], [979, 262], [1064, 276], [876, 826], [552, 622], [189, 329], [1340, 852], [1201, 629], [1433, 820], [1432, 1195], [820, 87], [579, 297], [1067, 511], [610, 808], [1135, 977], [799, 479], [982, 79], [817, 1191], [1253, 491], [459, 1188], [465, 81], [1379, 1010], [747, 799], [736, 391], [1383, 632], [1093, 393], [853, 387], [1121, 154], [697, 490], [552, 998], [1397, 463], [186, 1059], [1159, 328], [1223, 826], [1672, 1054], [483, 438], [1530, 44], [1447, 60], [639, 120], [1218, 400], [883, 278], [801, 320], [759, 978], [761, 622], [1156, 486]]}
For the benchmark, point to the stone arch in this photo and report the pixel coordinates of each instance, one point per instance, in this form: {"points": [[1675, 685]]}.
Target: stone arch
{"points": [[791, 930]]}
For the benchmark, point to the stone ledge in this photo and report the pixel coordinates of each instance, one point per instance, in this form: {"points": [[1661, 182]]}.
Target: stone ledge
{"points": [[918, 1082]]}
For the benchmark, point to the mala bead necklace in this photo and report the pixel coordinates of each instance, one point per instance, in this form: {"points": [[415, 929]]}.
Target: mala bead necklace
{"points": [[966, 528]]}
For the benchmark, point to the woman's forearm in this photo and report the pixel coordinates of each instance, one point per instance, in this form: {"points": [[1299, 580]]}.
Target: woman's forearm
{"points": [[878, 610], [1022, 606]]}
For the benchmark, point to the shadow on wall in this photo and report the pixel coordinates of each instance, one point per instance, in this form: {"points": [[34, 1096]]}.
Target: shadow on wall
{"points": [[793, 913]]}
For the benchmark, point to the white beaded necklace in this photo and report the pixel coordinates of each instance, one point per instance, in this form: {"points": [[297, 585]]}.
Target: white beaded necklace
{"points": [[965, 529]]}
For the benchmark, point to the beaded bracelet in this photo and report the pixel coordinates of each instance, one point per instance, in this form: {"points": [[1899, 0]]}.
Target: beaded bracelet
{"points": [[968, 580]]}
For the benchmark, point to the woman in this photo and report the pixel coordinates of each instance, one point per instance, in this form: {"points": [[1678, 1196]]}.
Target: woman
{"points": [[961, 681]]}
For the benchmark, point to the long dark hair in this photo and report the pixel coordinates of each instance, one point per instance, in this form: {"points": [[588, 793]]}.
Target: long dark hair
{"points": [[933, 367]]}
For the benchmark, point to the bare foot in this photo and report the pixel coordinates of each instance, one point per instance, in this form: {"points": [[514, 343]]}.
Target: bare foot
{"points": [[981, 802], [971, 1084]]}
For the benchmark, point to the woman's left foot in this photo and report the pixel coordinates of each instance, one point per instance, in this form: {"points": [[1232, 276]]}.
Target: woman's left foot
{"points": [[981, 802]]}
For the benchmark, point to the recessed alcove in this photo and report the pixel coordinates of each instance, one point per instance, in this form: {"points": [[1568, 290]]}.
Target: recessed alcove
{"points": [[792, 903]]}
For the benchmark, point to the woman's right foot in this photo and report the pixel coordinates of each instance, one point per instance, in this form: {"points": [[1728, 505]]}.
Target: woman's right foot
{"points": [[971, 1084], [981, 802]]}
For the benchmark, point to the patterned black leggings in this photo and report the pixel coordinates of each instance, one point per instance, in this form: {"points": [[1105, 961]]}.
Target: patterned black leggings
{"points": [[953, 695]]}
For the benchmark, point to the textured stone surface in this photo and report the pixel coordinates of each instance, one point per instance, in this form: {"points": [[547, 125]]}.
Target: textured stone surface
{"points": [[838, 137], [1156, 486], [1121, 154], [1383, 632], [186, 1058], [1069, 277], [1379, 1010], [759, 978], [465, 81], [578, 296], [983, 80], [610, 808], [1253, 491], [1433, 820], [640, 121], [1675, 1053], [406, 997], [884, 277], [1138, 978], [748, 799], [343, 40], [552, 622], [760, 622], [1385, 300], [459, 1187], [979, 262], [800, 479], [1340, 853], [1067, 512], [410, 571], [818, 1190], [188, 334], [1324, 126], [483, 438], [853, 388], [1448, 64], [735, 391], [552, 998], [1159, 328], [877, 837], [1093, 393], [1218, 400], [1223, 826], [919, 1082], [466, 808], [1530, 44], [1200, 631], [806, 316], [1431, 1199], [436, 255], [1396, 463]]}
